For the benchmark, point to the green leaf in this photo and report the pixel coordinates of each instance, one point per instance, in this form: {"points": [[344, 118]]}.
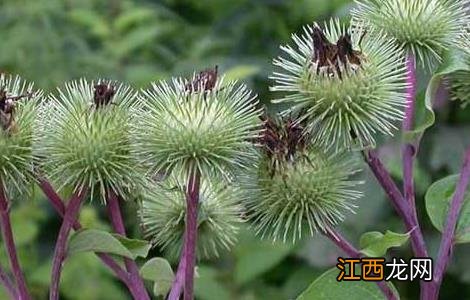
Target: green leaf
{"points": [[326, 287], [160, 272], [207, 285], [376, 244], [438, 198], [424, 114], [254, 257], [97, 241], [138, 248]]}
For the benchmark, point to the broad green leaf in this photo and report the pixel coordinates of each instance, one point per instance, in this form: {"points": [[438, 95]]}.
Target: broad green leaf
{"points": [[160, 272], [298, 280], [438, 199], [326, 287], [424, 114], [255, 256], [138, 248], [376, 244], [84, 277], [207, 285], [97, 241]]}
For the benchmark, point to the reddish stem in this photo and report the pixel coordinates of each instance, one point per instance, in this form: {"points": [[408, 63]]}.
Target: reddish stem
{"points": [[189, 260], [448, 236], [398, 202], [9, 242], [178, 283], [352, 252], [59, 206], [8, 284], [114, 212], [408, 150], [71, 213]]}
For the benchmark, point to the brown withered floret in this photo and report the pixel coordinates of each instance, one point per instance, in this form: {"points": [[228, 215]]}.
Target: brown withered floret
{"points": [[331, 56], [7, 110], [282, 141], [205, 80], [103, 94], [346, 53], [324, 52], [296, 137]]}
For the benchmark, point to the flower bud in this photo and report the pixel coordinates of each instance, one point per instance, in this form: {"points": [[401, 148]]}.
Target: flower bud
{"points": [[163, 214], [346, 84], [205, 123], [297, 189], [18, 112], [87, 137], [425, 28]]}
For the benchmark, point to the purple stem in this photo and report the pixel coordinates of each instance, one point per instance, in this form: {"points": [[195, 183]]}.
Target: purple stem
{"points": [[9, 242], [59, 206], [447, 242], [178, 283], [114, 212], [398, 202], [408, 150], [8, 284], [352, 252], [71, 213], [189, 260]]}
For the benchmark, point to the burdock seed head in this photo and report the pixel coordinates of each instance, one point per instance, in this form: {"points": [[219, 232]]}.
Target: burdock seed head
{"points": [[163, 214], [205, 123], [18, 111], [346, 84], [298, 188], [425, 28], [87, 137]]}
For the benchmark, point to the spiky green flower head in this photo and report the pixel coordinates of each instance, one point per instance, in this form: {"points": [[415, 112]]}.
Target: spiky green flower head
{"points": [[163, 215], [460, 80], [298, 189], [87, 137], [348, 85], [18, 112], [425, 28], [194, 124], [460, 87]]}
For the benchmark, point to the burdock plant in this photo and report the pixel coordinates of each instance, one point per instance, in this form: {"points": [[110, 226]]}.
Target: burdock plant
{"points": [[196, 129], [201, 157], [301, 188], [18, 135], [298, 187], [346, 83], [87, 147]]}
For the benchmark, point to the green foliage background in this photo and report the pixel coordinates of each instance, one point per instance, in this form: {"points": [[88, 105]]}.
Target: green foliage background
{"points": [[52, 41]]}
